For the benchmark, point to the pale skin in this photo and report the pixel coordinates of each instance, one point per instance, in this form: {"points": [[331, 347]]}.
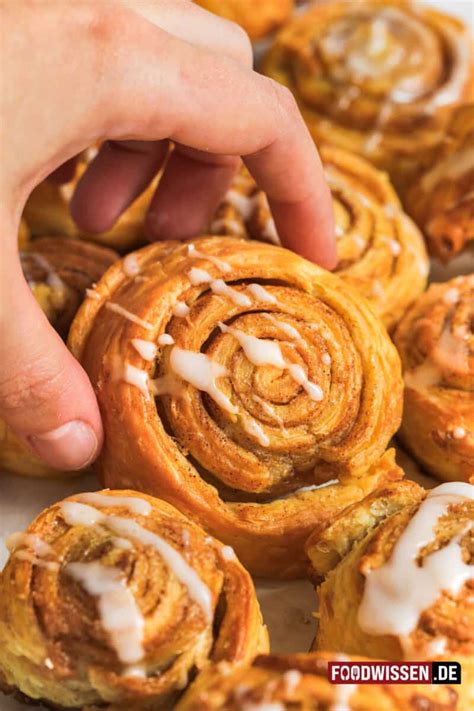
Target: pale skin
{"points": [[138, 74]]}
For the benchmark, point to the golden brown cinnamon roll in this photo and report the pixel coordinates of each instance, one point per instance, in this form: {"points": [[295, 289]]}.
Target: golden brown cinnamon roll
{"points": [[377, 77], [115, 599], [47, 213], [436, 344], [381, 252], [59, 271], [244, 212], [257, 18], [398, 576], [299, 682], [247, 386], [441, 198]]}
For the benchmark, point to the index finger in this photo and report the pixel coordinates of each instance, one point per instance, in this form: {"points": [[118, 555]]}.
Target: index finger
{"points": [[165, 87]]}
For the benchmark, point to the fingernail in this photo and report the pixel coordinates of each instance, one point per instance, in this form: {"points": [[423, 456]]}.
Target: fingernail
{"points": [[71, 446]]}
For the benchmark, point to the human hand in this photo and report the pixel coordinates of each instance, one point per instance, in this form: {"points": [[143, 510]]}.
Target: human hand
{"points": [[139, 74]]}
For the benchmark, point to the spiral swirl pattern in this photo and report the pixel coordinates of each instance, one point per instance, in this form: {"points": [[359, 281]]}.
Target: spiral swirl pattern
{"points": [[374, 549], [441, 198], [59, 271], [270, 376], [377, 77], [116, 599], [436, 344]]}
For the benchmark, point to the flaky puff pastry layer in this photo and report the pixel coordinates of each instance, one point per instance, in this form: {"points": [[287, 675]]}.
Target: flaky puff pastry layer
{"points": [[363, 540], [376, 77], [58, 272], [257, 18], [237, 450], [300, 682], [47, 213], [436, 344], [95, 576], [441, 198], [380, 250]]}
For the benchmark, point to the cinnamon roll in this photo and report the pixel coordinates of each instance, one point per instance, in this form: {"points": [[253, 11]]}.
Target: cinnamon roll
{"points": [[247, 386], [59, 271], [377, 77], [380, 250], [398, 576], [300, 682], [436, 344], [115, 599], [257, 19], [244, 212], [441, 198], [47, 214]]}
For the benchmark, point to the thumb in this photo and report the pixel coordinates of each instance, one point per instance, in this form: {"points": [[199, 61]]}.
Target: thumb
{"points": [[45, 396]]}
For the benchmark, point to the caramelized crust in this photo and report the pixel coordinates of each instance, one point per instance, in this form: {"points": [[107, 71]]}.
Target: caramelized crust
{"points": [[436, 344], [248, 459], [376, 77], [57, 641]]}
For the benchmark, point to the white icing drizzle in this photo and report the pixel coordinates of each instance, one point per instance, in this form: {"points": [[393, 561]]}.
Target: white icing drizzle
{"points": [[259, 292], [395, 247], [118, 610], [261, 351], [198, 276], [31, 540], [81, 514], [76, 514], [197, 589], [232, 226], [130, 265], [269, 231], [146, 349], [181, 310], [137, 378], [218, 286], [219, 263], [270, 411], [451, 296], [377, 289], [398, 592], [36, 560], [52, 277], [228, 553], [38, 550], [291, 679], [313, 390], [359, 241], [253, 428], [116, 308], [286, 328], [244, 204], [201, 372], [92, 294], [134, 504], [166, 340]]}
